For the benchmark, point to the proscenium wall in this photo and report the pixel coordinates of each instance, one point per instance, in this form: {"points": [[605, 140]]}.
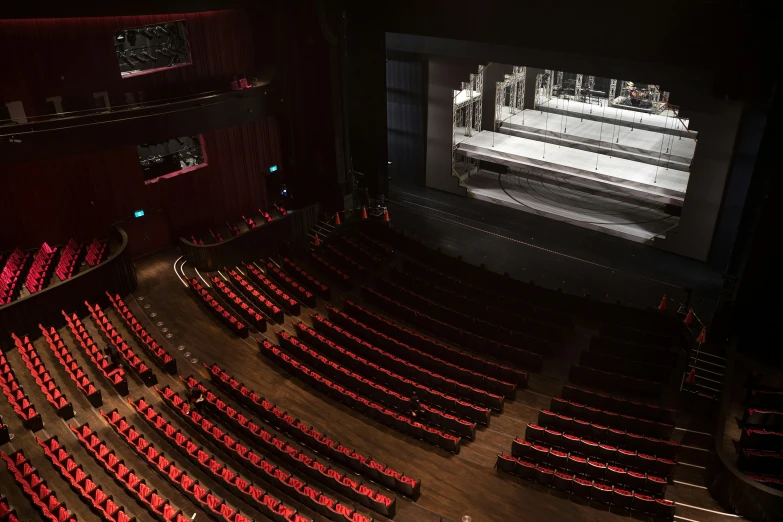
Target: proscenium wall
{"points": [[80, 196]]}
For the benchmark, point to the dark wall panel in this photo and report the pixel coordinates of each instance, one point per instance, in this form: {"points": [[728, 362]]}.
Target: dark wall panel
{"points": [[82, 195], [406, 76]]}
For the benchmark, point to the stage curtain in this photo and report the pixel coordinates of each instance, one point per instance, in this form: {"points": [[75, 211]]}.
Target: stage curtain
{"points": [[80, 196], [75, 57]]}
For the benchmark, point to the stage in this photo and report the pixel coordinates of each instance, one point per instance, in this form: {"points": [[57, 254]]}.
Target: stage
{"points": [[568, 201], [632, 178], [620, 141]]}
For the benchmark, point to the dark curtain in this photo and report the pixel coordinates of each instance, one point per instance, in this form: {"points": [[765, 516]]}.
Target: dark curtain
{"points": [[74, 57], [81, 196], [405, 116]]}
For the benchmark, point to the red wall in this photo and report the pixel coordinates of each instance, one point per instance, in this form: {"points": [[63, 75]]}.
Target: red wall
{"points": [[81, 196], [75, 56]]}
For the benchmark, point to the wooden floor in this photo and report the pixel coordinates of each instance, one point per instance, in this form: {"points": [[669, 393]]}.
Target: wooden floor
{"points": [[452, 485]]}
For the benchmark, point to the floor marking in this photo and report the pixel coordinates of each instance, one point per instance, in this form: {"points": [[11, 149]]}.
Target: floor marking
{"points": [[689, 484], [693, 447], [202, 277], [709, 510], [176, 273], [691, 465]]}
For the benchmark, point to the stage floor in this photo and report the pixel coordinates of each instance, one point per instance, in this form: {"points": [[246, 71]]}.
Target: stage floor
{"points": [[563, 200], [623, 116], [634, 178], [571, 125]]}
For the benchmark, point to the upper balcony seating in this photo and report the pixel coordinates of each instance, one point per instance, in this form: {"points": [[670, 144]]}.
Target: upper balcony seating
{"points": [[625, 366], [35, 488], [612, 419], [196, 241], [91, 492], [17, 397], [42, 377], [614, 381], [278, 477], [380, 373], [374, 390], [251, 224], [266, 215], [41, 270], [226, 317], [97, 252], [634, 352], [115, 374], [622, 406], [354, 248], [290, 304], [216, 236], [502, 321], [297, 290], [320, 289], [431, 354], [69, 258], [455, 334], [373, 409], [233, 228], [158, 354], [310, 437], [345, 261], [259, 299], [12, 275], [239, 305], [110, 333], [71, 367]]}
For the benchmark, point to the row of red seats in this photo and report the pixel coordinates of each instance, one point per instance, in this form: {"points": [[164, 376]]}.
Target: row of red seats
{"points": [[429, 353], [764, 398], [473, 330], [7, 513], [309, 436], [481, 344], [234, 300], [762, 417], [233, 228], [280, 478], [344, 260], [300, 292], [97, 253], [113, 373], [17, 397], [158, 354], [767, 480], [69, 258], [277, 294], [760, 461], [614, 382], [175, 475], [571, 435], [436, 381], [71, 367], [611, 419], [535, 445], [376, 245], [83, 485], [619, 405], [382, 374], [625, 366], [42, 377], [646, 337], [332, 478], [320, 289], [11, 275], [373, 390], [587, 488], [332, 271], [251, 224], [490, 297], [367, 407], [635, 352], [356, 249], [487, 319], [226, 317], [111, 334], [635, 479], [270, 309], [242, 488], [135, 487], [762, 439], [41, 269], [35, 488]]}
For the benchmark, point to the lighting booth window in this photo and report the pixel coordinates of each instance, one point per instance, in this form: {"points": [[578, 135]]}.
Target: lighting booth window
{"points": [[171, 158], [152, 48]]}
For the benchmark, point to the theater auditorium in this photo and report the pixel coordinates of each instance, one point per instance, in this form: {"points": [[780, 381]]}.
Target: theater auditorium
{"points": [[349, 261]]}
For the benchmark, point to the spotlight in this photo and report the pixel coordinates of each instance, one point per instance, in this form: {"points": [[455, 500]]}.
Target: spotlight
{"points": [[120, 38], [284, 190]]}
